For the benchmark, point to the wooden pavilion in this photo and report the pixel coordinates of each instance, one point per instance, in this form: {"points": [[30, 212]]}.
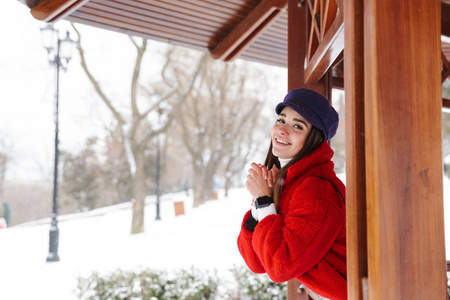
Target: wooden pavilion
{"points": [[395, 60]]}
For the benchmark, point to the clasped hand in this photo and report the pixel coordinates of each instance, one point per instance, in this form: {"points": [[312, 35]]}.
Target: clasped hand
{"points": [[260, 180]]}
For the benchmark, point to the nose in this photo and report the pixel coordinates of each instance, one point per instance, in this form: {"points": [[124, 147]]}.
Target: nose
{"points": [[282, 130]]}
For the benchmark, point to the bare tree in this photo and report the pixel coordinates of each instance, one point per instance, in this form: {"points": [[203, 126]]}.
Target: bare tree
{"points": [[137, 129], [215, 120]]}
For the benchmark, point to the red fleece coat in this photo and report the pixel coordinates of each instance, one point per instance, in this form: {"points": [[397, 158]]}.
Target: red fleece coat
{"points": [[307, 238]]}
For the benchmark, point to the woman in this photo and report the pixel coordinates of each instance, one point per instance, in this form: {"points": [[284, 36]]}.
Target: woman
{"points": [[296, 227]]}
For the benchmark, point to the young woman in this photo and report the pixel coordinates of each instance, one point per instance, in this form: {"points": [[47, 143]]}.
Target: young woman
{"points": [[296, 226]]}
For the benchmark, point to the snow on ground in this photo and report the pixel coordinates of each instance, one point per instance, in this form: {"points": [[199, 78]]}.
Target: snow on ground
{"points": [[100, 240]]}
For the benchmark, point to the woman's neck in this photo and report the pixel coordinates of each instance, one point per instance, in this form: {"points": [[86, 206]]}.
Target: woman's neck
{"points": [[284, 161]]}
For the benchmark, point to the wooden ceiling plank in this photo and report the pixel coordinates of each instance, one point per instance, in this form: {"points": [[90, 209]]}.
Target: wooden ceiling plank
{"points": [[178, 7], [266, 52], [263, 48], [233, 5], [270, 56], [122, 26], [247, 27], [154, 18], [156, 26], [160, 38], [271, 43], [277, 30], [198, 6], [53, 10], [268, 60], [277, 38], [327, 51], [173, 16]]}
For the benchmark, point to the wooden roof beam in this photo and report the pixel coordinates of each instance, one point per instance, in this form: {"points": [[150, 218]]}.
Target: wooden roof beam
{"points": [[54, 10], [248, 29]]}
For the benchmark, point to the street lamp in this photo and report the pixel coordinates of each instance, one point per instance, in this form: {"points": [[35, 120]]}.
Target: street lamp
{"points": [[158, 167], [59, 58]]}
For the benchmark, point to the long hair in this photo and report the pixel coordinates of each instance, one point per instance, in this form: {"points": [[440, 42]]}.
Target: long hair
{"points": [[314, 139]]}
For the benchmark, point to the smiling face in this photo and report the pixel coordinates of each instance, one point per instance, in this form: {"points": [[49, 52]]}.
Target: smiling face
{"points": [[289, 133]]}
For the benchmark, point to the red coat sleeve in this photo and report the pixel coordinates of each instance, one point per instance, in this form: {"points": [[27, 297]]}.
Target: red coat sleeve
{"points": [[291, 244], [246, 248]]}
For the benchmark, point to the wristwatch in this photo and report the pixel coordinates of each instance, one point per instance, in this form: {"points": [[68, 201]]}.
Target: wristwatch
{"points": [[263, 201]]}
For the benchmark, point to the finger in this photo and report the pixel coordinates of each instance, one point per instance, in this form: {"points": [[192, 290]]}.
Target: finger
{"points": [[252, 173], [264, 171], [258, 168], [270, 179], [274, 171]]}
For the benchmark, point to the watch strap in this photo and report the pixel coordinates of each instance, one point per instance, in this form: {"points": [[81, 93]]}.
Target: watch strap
{"points": [[263, 201]]}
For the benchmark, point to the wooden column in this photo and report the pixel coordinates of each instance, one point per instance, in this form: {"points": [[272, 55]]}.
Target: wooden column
{"points": [[297, 42], [297, 46], [355, 148], [405, 215]]}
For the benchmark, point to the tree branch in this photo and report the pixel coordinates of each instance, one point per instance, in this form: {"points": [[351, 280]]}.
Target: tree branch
{"points": [[94, 82], [151, 133], [135, 81]]}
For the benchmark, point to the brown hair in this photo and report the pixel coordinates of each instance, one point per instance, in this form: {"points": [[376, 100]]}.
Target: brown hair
{"points": [[314, 139]]}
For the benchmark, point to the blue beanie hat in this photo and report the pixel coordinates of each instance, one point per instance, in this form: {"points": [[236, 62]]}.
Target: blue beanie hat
{"points": [[315, 108]]}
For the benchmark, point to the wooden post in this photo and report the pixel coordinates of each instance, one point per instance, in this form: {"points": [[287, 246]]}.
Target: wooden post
{"points": [[297, 46], [405, 215], [355, 148]]}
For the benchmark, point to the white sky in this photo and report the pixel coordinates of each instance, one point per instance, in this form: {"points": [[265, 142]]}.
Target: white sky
{"points": [[27, 90]]}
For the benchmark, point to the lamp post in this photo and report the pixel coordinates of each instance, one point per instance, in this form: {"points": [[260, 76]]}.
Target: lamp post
{"points": [[158, 168], [59, 58]]}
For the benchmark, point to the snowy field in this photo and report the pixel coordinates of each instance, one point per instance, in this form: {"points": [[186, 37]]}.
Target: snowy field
{"points": [[99, 240]]}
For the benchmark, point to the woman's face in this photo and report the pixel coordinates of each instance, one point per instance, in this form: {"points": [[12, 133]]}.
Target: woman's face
{"points": [[289, 133]]}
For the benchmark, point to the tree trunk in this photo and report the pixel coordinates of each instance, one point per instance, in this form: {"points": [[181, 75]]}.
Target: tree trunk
{"points": [[198, 190], [208, 184], [139, 192], [203, 184], [227, 185]]}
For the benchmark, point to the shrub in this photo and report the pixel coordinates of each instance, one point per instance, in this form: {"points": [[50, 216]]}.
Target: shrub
{"points": [[257, 286], [189, 284], [148, 285]]}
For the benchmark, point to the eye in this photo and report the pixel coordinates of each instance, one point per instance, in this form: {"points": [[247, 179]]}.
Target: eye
{"points": [[280, 121], [297, 126]]}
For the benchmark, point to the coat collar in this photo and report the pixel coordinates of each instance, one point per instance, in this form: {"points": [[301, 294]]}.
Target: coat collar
{"points": [[320, 157]]}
